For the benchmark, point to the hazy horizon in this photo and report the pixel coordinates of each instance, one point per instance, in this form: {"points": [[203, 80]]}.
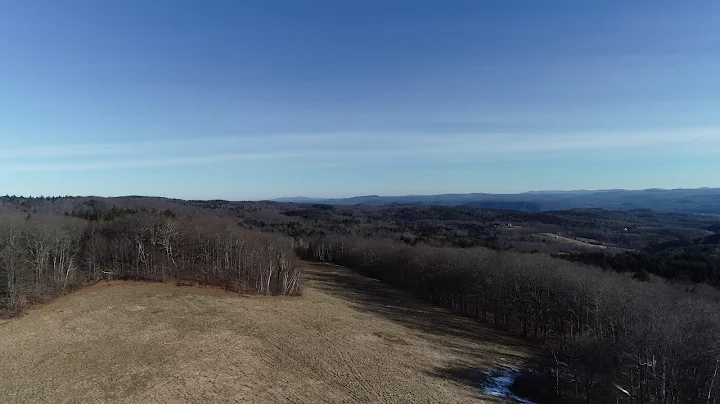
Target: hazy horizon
{"points": [[507, 193], [243, 100], [349, 196]]}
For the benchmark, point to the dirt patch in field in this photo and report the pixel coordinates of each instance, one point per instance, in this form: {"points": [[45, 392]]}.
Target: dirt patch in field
{"points": [[348, 339]]}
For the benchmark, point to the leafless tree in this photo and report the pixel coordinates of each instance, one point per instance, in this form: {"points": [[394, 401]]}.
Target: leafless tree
{"points": [[609, 337]]}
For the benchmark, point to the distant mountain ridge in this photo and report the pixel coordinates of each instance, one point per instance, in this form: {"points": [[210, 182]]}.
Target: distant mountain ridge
{"points": [[696, 201]]}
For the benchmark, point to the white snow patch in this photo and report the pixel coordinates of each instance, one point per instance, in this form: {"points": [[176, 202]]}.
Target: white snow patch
{"points": [[621, 389], [499, 380]]}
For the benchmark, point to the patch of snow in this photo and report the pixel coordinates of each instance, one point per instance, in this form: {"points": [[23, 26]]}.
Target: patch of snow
{"points": [[499, 380], [621, 389]]}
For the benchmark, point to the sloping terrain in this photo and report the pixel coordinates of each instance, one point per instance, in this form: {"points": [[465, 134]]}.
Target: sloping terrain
{"points": [[348, 339], [702, 200]]}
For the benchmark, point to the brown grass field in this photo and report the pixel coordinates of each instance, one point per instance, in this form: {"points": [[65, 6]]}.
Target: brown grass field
{"points": [[348, 339]]}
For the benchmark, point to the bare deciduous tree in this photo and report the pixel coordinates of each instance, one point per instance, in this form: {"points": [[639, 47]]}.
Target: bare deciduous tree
{"points": [[609, 337], [51, 255]]}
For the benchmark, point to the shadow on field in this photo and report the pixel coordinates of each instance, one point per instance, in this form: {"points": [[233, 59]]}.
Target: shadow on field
{"points": [[468, 337], [502, 383]]}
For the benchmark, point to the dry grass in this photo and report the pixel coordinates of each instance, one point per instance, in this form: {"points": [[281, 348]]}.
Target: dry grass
{"points": [[348, 339], [586, 243]]}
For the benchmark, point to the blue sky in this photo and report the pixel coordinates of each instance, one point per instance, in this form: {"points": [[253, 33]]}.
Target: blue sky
{"points": [[247, 100]]}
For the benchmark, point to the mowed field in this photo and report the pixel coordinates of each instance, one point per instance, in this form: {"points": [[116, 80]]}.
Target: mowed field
{"points": [[348, 339]]}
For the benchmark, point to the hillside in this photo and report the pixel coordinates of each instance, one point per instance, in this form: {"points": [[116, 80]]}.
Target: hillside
{"points": [[676, 245], [347, 339], [491, 265], [697, 201]]}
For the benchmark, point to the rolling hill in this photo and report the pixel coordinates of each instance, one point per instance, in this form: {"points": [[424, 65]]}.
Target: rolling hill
{"points": [[695, 201]]}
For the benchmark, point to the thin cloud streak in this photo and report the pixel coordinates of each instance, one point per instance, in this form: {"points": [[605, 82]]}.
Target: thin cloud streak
{"points": [[141, 147], [150, 147], [350, 148], [162, 162]]}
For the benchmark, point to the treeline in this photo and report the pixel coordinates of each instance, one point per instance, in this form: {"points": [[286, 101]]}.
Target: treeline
{"points": [[48, 255], [686, 266], [609, 338], [15, 198], [96, 214]]}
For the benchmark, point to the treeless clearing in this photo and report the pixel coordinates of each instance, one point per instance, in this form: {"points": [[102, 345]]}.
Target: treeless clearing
{"points": [[580, 243], [348, 339]]}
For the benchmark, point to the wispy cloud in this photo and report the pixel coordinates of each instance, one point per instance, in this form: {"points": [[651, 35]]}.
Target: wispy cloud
{"points": [[140, 163], [349, 148], [59, 151]]}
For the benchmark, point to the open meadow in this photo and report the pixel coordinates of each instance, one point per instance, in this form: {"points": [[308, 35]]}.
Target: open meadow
{"points": [[347, 339]]}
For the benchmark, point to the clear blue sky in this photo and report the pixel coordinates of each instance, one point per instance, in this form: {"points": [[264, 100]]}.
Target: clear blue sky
{"points": [[244, 100]]}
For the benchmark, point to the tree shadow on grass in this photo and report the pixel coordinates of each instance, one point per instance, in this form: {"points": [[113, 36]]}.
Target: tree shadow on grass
{"points": [[502, 383], [467, 337]]}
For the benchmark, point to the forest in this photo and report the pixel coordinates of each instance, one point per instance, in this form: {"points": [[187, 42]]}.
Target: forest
{"points": [[607, 337], [42, 256]]}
